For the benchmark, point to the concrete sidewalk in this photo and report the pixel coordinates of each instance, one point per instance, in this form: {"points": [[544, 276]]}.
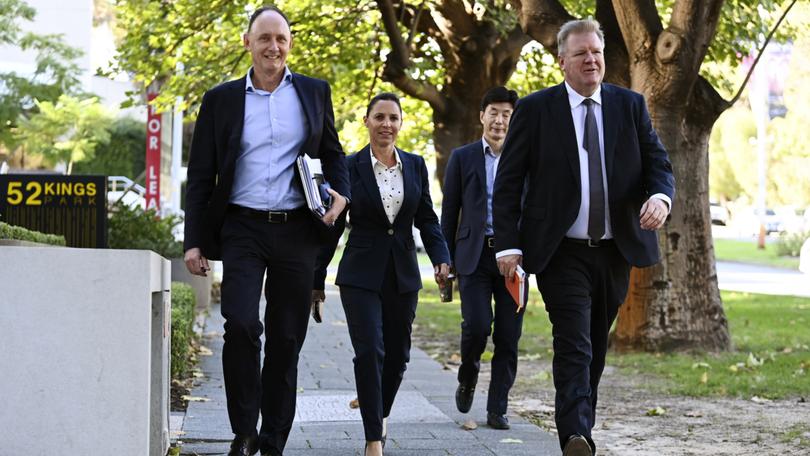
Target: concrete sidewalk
{"points": [[424, 420]]}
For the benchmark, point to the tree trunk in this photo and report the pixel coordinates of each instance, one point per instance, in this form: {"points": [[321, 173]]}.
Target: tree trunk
{"points": [[455, 126], [675, 305]]}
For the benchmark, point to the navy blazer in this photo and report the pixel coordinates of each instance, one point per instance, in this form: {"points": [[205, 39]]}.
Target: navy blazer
{"points": [[373, 239], [541, 146], [216, 145], [464, 206]]}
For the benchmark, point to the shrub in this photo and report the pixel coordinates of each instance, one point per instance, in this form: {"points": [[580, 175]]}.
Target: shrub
{"points": [[183, 302], [22, 234], [135, 228], [790, 244]]}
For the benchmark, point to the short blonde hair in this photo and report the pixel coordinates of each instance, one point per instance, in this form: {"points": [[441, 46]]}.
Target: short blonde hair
{"points": [[576, 27]]}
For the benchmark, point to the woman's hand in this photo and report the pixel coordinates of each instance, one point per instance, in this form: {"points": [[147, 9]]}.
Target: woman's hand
{"points": [[440, 272]]}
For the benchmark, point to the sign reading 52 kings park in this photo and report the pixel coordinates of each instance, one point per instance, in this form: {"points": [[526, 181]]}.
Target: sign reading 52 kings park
{"points": [[73, 206]]}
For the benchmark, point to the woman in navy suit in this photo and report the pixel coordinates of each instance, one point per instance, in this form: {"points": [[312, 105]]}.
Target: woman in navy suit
{"points": [[378, 275]]}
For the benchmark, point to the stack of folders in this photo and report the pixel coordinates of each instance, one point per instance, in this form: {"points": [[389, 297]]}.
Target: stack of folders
{"points": [[516, 285], [315, 186]]}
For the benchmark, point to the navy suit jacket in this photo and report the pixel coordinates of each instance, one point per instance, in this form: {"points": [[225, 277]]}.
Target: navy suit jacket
{"points": [[373, 239], [216, 145], [541, 146], [464, 206]]}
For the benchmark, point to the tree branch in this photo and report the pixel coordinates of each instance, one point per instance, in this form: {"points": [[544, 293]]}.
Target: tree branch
{"points": [[453, 18], [399, 50], [541, 19], [759, 54], [639, 23], [398, 61]]}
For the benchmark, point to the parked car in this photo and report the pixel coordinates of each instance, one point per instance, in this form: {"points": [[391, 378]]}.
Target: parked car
{"points": [[747, 221], [719, 213]]}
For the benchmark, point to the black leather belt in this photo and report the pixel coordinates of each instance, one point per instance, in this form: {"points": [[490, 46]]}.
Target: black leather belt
{"points": [[269, 216], [589, 242], [489, 241]]}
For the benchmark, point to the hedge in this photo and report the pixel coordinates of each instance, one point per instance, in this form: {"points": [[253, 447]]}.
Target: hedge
{"points": [[183, 302], [19, 233]]}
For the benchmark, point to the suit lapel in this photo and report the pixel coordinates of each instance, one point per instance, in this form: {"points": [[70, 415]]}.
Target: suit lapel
{"points": [[479, 164], [409, 187], [565, 124], [237, 111], [307, 103], [366, 174], [610, 127]]}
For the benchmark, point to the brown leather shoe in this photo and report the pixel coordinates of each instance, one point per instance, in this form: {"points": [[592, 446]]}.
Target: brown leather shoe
{"points": [[244, 446], [577, 445]]}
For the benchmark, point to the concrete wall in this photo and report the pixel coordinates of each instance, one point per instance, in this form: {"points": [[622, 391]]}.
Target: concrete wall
{"points": [[84, 351]]}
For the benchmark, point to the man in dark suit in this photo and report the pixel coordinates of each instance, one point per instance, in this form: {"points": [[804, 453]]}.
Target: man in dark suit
{"points": [[467, 226], [599, 185], [246, 206]]}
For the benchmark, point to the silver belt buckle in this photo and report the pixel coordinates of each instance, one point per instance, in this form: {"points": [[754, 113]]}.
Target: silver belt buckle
{"points": [[592, 243], [276, 217], [491, 242]]}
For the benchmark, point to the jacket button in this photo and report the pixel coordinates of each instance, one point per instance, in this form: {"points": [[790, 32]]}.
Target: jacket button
{"points": [[390, 231]]}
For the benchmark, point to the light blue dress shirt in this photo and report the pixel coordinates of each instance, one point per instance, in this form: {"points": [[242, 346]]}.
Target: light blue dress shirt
{"points": [[491, 165], [275, 128]]}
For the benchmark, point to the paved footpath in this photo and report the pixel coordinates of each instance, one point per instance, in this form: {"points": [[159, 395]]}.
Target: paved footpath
{"points": [[424, 421]]}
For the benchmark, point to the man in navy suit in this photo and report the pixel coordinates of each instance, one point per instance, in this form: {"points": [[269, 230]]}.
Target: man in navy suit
{"points": [[467, 226], [245, 205], [599, 183]]}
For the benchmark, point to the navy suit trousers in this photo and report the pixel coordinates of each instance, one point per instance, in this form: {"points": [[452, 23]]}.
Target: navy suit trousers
{"points": [[286, 251], [380, 329], [582, 288], [478, 318]]}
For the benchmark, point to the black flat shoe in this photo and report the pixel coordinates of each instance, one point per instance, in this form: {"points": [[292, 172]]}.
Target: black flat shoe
{"points": [[464, 396], [496, 421], [244, 446]]}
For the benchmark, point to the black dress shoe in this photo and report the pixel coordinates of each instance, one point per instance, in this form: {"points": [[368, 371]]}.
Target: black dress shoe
{"points": [[577, 445], [464, 397], [496, 421], [244, 446]]}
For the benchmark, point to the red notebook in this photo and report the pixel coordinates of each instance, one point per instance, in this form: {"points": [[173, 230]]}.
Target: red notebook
{"points": [[517, 287]]}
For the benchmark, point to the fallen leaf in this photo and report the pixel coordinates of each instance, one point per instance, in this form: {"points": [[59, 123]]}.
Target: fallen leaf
{"points": [[760, 400], [511, 441], [753, 361], [693, 414], [733, 368], [657, 411], [195, 398], [205, 351], [198, 374], [701, 365], [299, 390], [354, 403], [704, 378], [469, 425], [455, 359]]}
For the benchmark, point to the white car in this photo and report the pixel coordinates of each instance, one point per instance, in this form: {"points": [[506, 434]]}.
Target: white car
{"points": [[718, 213]]}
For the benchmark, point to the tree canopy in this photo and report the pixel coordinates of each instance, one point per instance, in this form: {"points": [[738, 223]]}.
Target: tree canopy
{"points": [[54, 74]]}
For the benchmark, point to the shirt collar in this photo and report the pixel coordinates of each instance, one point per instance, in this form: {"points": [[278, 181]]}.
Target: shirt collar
{"points": [[575, 99], [487, 147], [374, 160], [249, 82]]}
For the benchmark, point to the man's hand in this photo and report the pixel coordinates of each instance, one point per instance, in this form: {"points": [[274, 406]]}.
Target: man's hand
{"points": [[338, 204], [318, 297], [508, 263], [196, 263], [440, 272], [653, 214]]}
